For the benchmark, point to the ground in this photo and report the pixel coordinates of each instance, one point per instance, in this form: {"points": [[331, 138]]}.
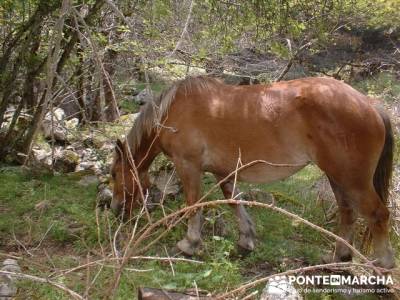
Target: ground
{"points": [[51, 223]]}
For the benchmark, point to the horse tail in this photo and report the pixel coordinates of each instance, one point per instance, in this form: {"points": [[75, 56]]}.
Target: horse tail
{"points": [[383, 172]]}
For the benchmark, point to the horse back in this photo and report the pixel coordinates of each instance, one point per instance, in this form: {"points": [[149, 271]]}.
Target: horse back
{"points": [[313, 119]]}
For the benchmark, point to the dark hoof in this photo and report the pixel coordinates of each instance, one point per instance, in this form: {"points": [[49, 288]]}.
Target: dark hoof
{"points": [[244, 252], [187, 247]]}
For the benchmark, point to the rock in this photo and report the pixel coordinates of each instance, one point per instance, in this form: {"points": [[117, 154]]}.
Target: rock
{"points": [[94, 141], [42, 156], [72, 123], [11, 265], [67, 161], [89, 161], [104, 196], [167, 183], [128, 119], [8, 287], [144, 96], [53, 125], [108, 147], [279, 288], [59, 114]]}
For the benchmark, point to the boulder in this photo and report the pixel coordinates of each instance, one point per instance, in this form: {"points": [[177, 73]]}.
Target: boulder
{"points": [[72, 123], [144, 96], [279, 288], [8, 288], [167, 183], [89, 161], [104, 196], [66, 162], [53, 125], [128, 119]]}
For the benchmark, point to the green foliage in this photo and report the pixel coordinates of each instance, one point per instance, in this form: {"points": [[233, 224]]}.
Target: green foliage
{"points": [[383, 86], [45, 202]]}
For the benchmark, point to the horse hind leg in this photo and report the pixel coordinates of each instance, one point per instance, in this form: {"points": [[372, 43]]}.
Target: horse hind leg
{"points": [[347, 217], [247, 231], [377, 215]]}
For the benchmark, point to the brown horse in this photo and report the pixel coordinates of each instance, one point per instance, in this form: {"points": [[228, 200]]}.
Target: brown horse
{"points": [[203, 125]]}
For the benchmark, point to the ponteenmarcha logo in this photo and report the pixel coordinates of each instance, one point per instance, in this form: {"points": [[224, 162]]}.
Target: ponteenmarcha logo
{"points": [[340, 280]]}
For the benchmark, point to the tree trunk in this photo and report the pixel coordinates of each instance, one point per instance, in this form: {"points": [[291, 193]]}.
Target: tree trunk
{"points": [[51, 66], [111, 111]]}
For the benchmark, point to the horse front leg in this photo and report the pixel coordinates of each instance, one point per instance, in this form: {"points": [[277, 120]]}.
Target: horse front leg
{"points": [[247, 232], [190, 176]]}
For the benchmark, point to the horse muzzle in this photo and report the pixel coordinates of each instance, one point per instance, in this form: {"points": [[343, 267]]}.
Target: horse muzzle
{"points": [[116, 207]]}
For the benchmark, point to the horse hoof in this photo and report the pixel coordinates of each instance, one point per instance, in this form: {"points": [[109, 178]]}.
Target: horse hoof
{"points": [[385, 264], [246, 244], [244, 251], [188, 248]]}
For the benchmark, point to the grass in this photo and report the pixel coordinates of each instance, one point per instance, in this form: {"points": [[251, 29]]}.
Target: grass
{"points": [[32, 204], [65, 230], [69, 220], [54, 218]]}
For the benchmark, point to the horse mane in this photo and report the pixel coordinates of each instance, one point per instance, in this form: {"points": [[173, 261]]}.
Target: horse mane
{"points": [[156, 109]]}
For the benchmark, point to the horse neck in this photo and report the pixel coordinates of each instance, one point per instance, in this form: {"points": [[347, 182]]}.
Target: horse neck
{"points": [[146, 152]]}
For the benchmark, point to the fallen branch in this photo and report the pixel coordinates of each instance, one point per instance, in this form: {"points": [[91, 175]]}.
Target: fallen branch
{"points": [[43, 280], [247, 203], [99, 261], [156, 294]]}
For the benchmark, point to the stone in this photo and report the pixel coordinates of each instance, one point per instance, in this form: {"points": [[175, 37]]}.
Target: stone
{"points": [[128, 119], [104, 196], [53, 125], [144, 96], [72, 123], [8, 287], [42, 156], [66, 162], [279, 288], [167, 183]]}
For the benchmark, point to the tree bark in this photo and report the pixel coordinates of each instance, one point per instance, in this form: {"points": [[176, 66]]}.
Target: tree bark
{"points": [[51, 66]]}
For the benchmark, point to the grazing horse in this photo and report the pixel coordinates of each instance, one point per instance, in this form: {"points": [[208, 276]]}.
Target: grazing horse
{"points": [[204, 125]]}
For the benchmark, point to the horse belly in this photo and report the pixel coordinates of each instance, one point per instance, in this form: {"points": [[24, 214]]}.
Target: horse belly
{"points": [[263, 173]]}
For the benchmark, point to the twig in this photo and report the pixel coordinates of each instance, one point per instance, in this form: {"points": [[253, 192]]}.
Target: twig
{"points": [[43, 280], [253, 203], [157, 258], [185, 29], [292, 59]]}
